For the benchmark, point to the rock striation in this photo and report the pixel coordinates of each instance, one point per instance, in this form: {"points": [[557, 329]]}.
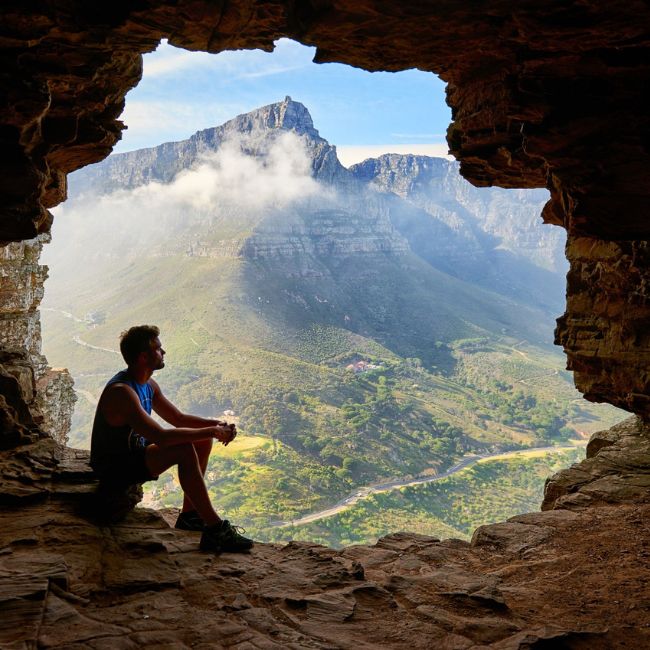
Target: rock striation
{"points": [[483, 216], [563, 578], [605, 328], [616, 470], [37, 399]]}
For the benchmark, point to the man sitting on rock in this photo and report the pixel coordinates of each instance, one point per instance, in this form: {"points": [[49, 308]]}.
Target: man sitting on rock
{"points": [[129, 447]]}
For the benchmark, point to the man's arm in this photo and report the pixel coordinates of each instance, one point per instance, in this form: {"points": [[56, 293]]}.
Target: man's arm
{"points": [[172, 414], [121, 406]]}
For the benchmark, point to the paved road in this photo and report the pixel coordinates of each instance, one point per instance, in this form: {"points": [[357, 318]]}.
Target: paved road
{"points": [[366, 491]]}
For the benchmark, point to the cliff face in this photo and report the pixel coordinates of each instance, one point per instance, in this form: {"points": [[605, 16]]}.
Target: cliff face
{"points": [[605, 328], [489, 236], [436, 186], [37, 398]]}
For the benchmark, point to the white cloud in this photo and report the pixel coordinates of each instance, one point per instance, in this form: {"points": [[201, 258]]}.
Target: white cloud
{"points": [[228, 190], [170, 60], [230, 178], [351, 154]]}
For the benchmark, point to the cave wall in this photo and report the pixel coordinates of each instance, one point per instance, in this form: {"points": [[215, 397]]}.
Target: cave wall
{"points": [[543, 94], [37, 399]]}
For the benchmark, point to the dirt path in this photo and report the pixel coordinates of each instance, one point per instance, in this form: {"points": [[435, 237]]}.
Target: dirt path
{"points": [[87, 394], [77, 340], [67, 314], [366, 491]]}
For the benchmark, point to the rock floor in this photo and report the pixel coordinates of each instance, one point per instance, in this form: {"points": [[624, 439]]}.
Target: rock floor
{"points": [[555, 579]]}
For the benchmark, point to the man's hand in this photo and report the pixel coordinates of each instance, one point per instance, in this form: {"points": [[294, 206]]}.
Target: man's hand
{"points": [[225, 433]]}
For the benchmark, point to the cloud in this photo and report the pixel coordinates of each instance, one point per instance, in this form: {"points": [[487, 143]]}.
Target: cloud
{"points": [[231, 177], [168, 60], [269, 71], [227, 193]]}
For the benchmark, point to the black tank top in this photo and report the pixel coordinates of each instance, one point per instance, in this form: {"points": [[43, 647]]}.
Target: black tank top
{"points": [[109, 443]]}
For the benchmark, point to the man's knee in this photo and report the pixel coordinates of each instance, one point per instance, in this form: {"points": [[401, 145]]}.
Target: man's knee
{"points": [[203, 447], [185, 454]]}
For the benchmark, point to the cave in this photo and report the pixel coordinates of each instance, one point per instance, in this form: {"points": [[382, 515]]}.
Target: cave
{"points": [[543, 94]]}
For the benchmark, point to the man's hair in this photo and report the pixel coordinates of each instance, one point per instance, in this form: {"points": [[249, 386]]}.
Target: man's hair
{"points": [[135, 340]]}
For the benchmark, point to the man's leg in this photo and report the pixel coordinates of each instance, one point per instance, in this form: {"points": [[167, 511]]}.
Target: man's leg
{"points": [[203, 449], [190, 475]]}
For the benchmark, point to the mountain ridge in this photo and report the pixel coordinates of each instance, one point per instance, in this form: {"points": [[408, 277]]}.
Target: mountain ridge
{"points": [[162, 162]]}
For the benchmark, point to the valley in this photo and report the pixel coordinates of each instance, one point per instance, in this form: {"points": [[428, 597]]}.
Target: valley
{"points": [[361, 325]]}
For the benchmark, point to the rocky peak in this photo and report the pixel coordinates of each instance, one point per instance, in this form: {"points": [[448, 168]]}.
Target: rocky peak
{"points": [[402, 174], [287, 115], [164, 162]]}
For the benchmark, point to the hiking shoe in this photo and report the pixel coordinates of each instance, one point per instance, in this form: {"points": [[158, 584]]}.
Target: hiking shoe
{"points": [[189, 520], [225, 538]]}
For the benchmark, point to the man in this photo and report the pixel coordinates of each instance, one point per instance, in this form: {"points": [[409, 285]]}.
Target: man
{"points": [[128, 446]]}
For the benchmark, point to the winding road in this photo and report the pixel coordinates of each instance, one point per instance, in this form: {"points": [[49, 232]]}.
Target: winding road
{"points": [[76, 337], [366, 491]]}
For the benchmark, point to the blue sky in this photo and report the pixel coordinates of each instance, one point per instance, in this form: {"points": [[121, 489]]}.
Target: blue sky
{"points": [[363, 113]]}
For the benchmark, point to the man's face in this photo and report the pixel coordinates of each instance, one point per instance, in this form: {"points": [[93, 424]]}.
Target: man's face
{"points": [[156, 355]]}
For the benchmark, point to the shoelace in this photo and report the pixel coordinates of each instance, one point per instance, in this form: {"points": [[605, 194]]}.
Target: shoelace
{"points": [[237, 529], [233, 530]]}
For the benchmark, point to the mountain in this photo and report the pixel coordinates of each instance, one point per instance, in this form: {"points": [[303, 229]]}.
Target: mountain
{"points": [[491, 237], [164, 162], [359, 323]]}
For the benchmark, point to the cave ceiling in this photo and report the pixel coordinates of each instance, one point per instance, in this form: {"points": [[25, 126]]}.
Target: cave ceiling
{"points": [[543, 94]]}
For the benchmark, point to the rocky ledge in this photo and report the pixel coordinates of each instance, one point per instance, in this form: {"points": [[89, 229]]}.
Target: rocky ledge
{"points": [[557, 579], [616, 470]]}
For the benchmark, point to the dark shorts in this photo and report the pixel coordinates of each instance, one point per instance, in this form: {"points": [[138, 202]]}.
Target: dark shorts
{"points": [[126, 469]]}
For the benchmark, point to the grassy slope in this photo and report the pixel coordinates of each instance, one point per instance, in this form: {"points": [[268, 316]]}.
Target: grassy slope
{"points": [[453, 507], [244, 337]]}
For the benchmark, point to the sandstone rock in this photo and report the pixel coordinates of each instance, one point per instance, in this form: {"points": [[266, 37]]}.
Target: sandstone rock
{"points": [[549, 636], [55, 399], [41, 399], [511, 537], [552, 518], [71, 583], [617, 470], [484, 630]]}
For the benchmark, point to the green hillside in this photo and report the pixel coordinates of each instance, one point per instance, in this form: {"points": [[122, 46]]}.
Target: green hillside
{"points": [[346, 350], [238, 339], [453, 507]]}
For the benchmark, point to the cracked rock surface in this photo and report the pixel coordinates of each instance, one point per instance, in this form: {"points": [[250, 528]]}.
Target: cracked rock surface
{"points": [[560, 579]]}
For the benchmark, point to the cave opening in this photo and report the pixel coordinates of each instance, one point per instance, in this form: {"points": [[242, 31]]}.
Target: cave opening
{"points": [[543, 94], [183, 224]]}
